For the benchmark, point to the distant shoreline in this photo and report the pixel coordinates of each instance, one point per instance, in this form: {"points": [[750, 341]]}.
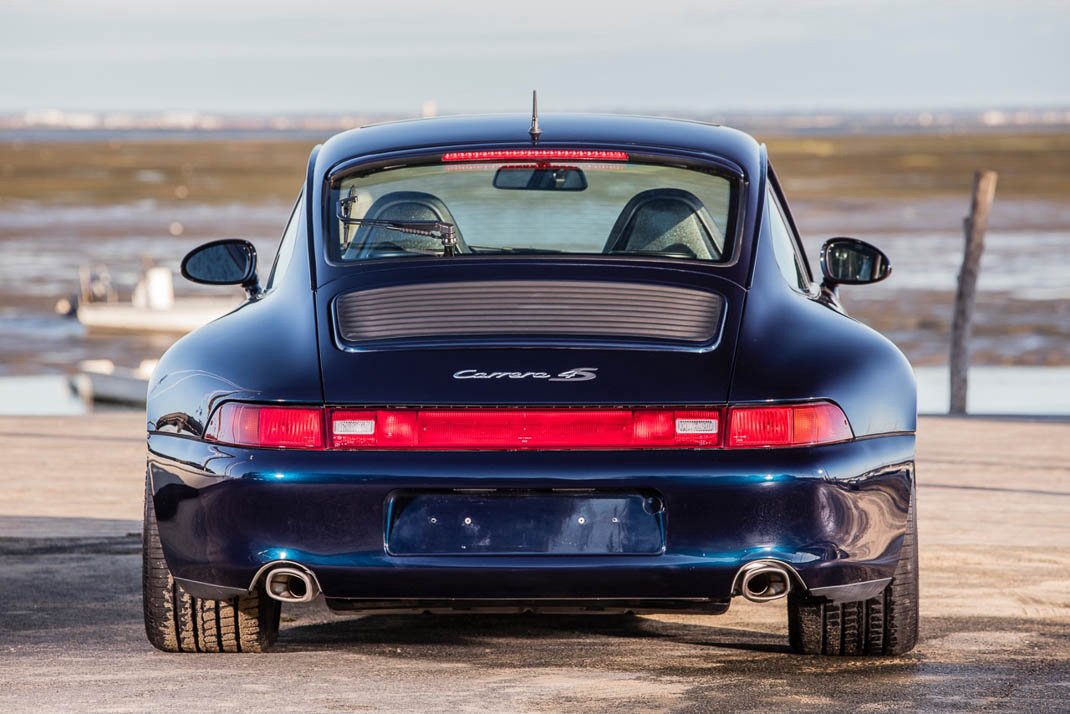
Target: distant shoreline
{"points": [[105, 166], [89, 136], [36, 135], [54, 124], [65, 204]]}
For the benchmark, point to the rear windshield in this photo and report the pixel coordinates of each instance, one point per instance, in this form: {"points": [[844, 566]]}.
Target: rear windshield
{"points": [[576, 207]]}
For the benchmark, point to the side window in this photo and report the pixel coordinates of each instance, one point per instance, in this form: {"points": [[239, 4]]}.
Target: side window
{"points": [[286, 245], [787, 253]]}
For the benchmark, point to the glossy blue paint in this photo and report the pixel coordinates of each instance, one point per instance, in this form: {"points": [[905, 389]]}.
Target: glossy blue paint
{"points": [[836, 513], [223, 513], [793, 346], [627, 374]]}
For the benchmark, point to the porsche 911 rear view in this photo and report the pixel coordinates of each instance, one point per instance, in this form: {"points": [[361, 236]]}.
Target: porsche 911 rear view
{"points": [[581, 369]]}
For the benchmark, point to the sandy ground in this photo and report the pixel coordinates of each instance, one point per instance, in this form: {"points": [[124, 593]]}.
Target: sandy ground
{"points": [[995, 556]]}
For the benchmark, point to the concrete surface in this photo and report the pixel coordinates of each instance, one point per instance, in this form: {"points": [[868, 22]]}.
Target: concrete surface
{"points": [[994, 506]]}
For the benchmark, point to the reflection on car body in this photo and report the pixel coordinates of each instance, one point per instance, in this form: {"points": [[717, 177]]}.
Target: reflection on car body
{"points": [[593, 373]]}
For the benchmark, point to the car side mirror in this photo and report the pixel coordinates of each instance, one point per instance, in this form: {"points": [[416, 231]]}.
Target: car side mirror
{"points": [[223, 262], [849, 261]]}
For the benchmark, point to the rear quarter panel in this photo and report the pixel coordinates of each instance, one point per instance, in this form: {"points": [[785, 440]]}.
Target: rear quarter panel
{"points": [[793, 347], [263, 351]]}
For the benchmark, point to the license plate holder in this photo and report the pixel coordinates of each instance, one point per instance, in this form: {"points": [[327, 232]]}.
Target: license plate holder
{"points": [[524, 523]]}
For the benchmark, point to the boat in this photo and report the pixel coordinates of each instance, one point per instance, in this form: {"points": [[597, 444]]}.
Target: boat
{"points": [[153, 307], [183, 316], [101, 381]]}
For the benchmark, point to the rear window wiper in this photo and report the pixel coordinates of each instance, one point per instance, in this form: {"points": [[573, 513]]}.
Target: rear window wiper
{"points": [[442, 231]]}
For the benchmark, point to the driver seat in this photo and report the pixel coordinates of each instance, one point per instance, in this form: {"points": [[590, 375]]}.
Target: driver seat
{"points": [[402, 206], [665, 220]]}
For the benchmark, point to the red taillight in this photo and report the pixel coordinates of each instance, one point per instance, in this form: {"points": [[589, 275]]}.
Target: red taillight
{"points": [[791, 425], [524, 428], [536, 155], [271, 427], [314, 428]]}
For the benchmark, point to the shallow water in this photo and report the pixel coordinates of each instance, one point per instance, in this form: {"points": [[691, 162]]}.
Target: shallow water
{"points": [[39, 395], [1023, 314], [43, 247], [1029, 265], [1019, 391]]}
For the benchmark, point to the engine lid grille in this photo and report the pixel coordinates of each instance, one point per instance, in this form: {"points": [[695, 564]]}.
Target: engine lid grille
{"points": [[565, 311]]}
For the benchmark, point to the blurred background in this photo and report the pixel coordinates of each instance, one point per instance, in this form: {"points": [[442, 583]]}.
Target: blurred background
{"points": [[131, 132]]}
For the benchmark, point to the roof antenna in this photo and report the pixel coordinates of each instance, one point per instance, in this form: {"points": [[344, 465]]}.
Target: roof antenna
{"points": [[535, 131]]}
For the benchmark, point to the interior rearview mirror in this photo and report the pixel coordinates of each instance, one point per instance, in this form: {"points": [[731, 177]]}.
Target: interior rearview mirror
{"points": [[223, 262], [540, 178], [849, 261]]}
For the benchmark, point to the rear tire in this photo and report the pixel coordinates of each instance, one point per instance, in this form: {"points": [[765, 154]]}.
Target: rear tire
{"points": [[175, 621], [881, 626]]}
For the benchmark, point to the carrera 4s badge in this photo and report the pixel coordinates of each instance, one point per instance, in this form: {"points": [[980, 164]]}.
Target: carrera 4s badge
{"points": [[576, 374]]}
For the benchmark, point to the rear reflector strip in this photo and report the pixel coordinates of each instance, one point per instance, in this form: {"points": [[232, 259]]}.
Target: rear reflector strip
{"points": [[313, 428], [536, 155]]}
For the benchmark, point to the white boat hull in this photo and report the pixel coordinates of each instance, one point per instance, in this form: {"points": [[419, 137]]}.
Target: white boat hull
{"points": [[184, 316], [112, 388]]}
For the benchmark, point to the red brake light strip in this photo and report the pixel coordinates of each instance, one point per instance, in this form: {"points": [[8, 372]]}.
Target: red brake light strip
{"points": [[536, 155], [313, 428]]}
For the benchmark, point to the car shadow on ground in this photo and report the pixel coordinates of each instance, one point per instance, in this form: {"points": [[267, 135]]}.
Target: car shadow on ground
{"points": [[691, 648], [473, 630]]}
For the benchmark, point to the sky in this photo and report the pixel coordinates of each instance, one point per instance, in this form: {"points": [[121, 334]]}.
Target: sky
{"points": [[390, 56]]}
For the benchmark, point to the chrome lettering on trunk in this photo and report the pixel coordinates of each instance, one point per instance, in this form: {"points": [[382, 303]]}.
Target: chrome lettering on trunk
{"points": [[576, 374]]}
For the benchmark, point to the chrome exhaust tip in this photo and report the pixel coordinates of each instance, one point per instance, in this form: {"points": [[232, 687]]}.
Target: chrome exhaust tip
{"points": [[286, 583], [764, 580]]}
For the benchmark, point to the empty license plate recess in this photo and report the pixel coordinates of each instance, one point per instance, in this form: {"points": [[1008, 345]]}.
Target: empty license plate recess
{"points": [[524, 523]]}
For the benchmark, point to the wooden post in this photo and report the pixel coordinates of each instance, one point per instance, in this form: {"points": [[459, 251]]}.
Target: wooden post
{"points": [[984, 190]]}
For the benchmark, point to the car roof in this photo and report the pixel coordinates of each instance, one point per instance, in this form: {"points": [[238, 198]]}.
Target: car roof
{"points": [[557, 129]]}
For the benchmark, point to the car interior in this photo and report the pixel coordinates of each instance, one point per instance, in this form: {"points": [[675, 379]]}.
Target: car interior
{"points": [[401, 206], [665, 221]]}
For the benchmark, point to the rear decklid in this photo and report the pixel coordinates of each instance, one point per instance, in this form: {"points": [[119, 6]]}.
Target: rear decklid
{"points": [[527, 331]]}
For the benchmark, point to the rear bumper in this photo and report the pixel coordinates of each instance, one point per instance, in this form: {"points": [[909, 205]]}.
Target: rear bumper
{"points": [[836, 514]]}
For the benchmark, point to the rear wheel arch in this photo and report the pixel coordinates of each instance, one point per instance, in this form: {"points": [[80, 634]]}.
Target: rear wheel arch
{"points": [[176, 621], [880, 626]]}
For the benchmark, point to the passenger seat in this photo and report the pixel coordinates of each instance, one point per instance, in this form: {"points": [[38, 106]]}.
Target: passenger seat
{"points": [[669, 221]]}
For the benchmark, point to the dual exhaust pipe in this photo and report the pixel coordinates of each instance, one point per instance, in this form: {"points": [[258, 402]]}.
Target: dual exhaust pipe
{"points": [[289, 583], [764, 580], [759, 581]]}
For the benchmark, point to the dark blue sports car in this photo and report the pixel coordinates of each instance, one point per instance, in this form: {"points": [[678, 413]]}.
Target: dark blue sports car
{"points": [[497, 365]]}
